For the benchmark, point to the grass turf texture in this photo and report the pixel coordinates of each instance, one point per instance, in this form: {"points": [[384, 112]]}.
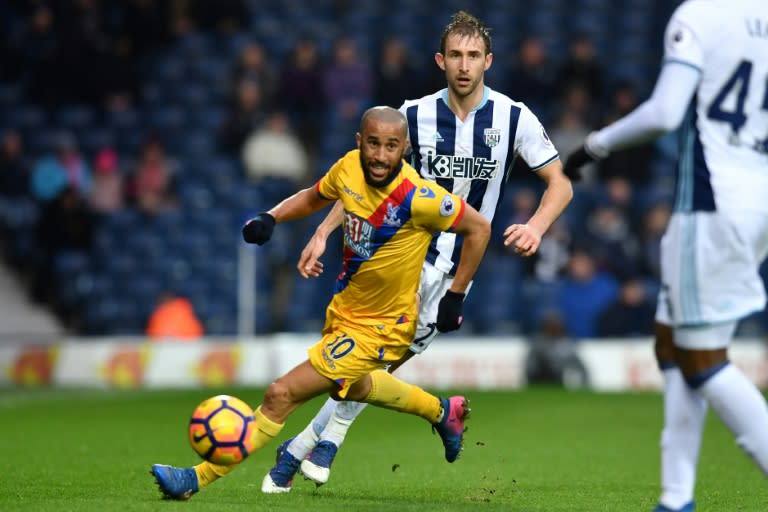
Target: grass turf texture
{"points": [[534, 450]]}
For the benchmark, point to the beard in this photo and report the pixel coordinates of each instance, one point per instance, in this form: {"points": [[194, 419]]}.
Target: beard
{"points": [[379, 183]]}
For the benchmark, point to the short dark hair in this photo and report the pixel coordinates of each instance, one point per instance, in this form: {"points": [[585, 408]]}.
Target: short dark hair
{"points": [[466, 25]]}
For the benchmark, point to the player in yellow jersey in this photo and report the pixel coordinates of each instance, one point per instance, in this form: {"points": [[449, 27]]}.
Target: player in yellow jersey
{"points": [[390, 215]]}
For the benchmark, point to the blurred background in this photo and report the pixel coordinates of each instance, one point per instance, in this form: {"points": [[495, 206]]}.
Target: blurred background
{"points": [[137, 136]]}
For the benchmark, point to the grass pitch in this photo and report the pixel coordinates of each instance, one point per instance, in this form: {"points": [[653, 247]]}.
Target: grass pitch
{"points": [[534, 450]]}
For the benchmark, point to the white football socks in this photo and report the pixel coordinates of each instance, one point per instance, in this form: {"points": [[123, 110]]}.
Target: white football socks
{"points": [[340, 421], [742, 408], [306, 441], [684, 415]]}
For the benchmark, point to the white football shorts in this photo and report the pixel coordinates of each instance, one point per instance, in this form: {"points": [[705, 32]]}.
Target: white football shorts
{"points": [[710, 274], [434, 283]]}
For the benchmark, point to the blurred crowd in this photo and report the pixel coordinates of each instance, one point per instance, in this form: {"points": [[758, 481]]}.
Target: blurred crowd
{"points": [[90, 67]]}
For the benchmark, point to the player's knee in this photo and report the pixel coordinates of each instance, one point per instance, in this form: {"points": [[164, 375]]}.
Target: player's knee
{"points": [[278, 395]]}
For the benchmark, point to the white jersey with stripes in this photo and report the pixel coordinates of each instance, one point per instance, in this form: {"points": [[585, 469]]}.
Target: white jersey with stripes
{"points": [[472, 158]]}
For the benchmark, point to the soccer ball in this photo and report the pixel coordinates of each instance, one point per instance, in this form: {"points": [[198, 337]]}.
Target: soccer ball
{"points": [[222, 430]]}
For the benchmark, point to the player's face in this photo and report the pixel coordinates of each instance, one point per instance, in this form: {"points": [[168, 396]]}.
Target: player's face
{"points": [[382, 146], [464, 63]]}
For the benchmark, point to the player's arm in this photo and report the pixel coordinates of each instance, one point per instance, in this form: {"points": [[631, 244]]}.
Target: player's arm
{"points": [[662, 112], [476, 231], [558, 193], [309, 264], [301, 204]]}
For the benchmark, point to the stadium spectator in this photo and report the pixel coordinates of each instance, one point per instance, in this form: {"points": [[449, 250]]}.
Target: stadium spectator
{"points": [[532, 78], [348, 81], [118, 74], [252, 64], [299, 95], [632, 163], [152, 185], [66, 169], [37, 46], [16, 240], [584, 294], [395, 75], [582, 69], [607, 235], [631, 314], [464, 57], [569, 130], [246, 113], [552, 357], [712, 87], [174, 318], [274, 151], [108, 194], [348, 361], [66, 225], [14, 172], [654, 223]]}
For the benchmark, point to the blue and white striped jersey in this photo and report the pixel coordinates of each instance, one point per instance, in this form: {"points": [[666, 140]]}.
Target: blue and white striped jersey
{"points": [[472, 158]]}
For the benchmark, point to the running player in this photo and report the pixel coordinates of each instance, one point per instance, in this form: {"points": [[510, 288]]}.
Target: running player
{"points": [[713, 85], [390, 215], [465, 137]]}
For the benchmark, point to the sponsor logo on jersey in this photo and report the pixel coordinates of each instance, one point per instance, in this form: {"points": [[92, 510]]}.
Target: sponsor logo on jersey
{"points": [[355, 195], [426, 192], [358, 235], [492, 136], [437, 137], [447, 206], [463, 167]]}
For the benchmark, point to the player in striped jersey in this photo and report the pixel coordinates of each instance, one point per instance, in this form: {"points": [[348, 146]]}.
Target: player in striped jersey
{"points": [[713, 86], [391, 214], [464, 137]]}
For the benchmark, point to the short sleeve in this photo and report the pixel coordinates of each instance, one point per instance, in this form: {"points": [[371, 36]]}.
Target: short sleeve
{"points": [[436, 209], [532, 142], [328, 185], [685, 35]]}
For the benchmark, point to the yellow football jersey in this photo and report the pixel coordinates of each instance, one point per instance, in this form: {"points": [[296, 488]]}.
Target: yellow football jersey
{"points": [[387, 232]]}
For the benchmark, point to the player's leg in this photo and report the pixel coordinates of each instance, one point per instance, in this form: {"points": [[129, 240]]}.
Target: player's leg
{"points": [[731, 395], [317, 467], [446, 415], [281, 398], [684, 416]]}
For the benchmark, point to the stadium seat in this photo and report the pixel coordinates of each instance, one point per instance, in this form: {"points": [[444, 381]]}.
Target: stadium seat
{"points": [[26, 118], [75, 117], [96, 138]]}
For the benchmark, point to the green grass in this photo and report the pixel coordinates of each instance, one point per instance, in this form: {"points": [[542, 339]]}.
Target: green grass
{"points": [[535, 450]]}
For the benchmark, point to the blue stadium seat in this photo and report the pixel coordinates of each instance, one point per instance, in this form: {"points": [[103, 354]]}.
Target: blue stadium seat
{"points": [[75, 117], [96, 138], [166, 118], [207, 118], [10, 94], [26, 118], [195, 195]]}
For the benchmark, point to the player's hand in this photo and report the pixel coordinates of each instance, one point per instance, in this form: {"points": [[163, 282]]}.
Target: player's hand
{"points": [[450, 312], [259, 229], [575, 161], [308, 265], [524, 238]]}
